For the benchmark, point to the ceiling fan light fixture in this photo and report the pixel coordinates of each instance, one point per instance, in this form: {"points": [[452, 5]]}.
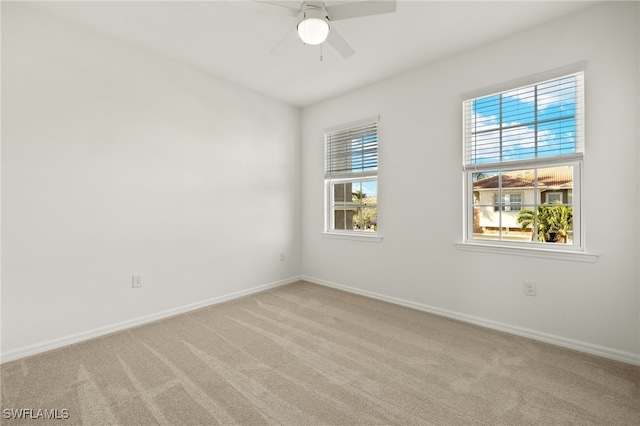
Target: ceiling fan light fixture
{"points": [[313, 27]]}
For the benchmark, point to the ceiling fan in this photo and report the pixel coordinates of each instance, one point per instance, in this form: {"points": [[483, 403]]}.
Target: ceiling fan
{"points": [[315, 19]]}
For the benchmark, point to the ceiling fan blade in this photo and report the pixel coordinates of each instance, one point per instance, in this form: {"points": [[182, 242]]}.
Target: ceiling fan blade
{"points": [[286, 8], [288, 35], [360, 8], [339, 43]]}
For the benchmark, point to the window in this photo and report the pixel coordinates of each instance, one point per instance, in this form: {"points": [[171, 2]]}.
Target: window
{"points": [[553, 197], [351, 178], [507, 202], [523, 154]]}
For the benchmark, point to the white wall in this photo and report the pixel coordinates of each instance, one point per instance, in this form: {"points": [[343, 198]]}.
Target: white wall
{"points": [[116, 161], [591, 306]]}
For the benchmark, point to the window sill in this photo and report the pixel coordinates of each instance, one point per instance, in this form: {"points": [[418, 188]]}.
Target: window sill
{"points": [[575, 256], [371, 238]]}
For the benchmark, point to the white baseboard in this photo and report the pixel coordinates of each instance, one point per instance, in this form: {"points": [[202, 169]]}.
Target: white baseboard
{"points": [[585, 347], [101, 331]]}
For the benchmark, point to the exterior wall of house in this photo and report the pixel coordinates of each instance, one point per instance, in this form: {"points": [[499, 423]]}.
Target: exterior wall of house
{"points": [[489, 217], [343, 218], [590, 306]]}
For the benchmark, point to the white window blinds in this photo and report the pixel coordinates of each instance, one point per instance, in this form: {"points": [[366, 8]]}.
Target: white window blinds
{"points": [[530, 123], [351, 151]]}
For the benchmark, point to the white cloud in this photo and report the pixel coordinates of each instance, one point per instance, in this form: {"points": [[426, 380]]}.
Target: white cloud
{"points": [[481, 122], [517, 142], [561, 91], [524, 94]]}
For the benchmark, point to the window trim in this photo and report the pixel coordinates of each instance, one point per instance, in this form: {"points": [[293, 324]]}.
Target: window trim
{"points": [[342, 177], [533, 248], [353, 236], [519, 250], [329, 204], [578, 223], [345, 234], [525, 81]]}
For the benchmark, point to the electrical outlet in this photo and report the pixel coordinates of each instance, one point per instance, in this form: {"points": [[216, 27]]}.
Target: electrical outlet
{"points": [[136, 281], [530, 288], [282, 256]]}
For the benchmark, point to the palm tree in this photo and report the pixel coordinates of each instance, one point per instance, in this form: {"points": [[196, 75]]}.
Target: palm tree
{"points": [[527, 218], [366, 215], [560, 221], [554, 222]]}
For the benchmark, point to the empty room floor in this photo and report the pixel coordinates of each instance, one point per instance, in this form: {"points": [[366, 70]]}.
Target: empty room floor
{"points": [[304, 354]]}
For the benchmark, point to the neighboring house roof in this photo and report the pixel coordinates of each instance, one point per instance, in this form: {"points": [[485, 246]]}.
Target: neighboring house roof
{"points": [[552, 177]]}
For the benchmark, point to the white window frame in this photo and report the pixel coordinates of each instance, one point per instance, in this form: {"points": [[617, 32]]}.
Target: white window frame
{"points": [[577, 216], [348, 177], [575, 251]]}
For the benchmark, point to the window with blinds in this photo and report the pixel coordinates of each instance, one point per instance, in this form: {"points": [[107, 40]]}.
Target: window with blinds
{"points": [[522, 158], [351, 178], [351, 150], [532, 122]]}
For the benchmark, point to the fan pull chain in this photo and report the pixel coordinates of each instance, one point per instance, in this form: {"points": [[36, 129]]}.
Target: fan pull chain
{"points": [[321, 51]]}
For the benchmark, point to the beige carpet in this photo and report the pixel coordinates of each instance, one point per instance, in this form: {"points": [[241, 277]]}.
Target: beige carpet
{"points": [[303, 354]]}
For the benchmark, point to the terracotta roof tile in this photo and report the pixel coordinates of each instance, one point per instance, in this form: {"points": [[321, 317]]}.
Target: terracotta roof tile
{"points": [[552, 177]]}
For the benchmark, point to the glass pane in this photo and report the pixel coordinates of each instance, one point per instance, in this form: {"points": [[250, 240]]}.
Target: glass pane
{"points": [[512, 201], [518, 143], [557, 137], [342, 214], [350, 150], [524, 205], [518, 106], [355, 206], [554, 198], [526, 220], [365, 195], [364, 153], [555, 215], [485, 223], [485, 181], [341, 193], [555, 224], [489, 107], [528, 122], [343, 218], [486, 190], [557, 98], [485, 146], [366, 219]]}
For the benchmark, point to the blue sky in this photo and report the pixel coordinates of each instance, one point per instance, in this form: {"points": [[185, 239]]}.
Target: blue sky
{"points": [[369, 188], [365, 158]]}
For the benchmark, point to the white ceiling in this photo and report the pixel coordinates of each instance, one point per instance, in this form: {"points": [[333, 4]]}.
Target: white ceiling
{"points": [[251, 46]]}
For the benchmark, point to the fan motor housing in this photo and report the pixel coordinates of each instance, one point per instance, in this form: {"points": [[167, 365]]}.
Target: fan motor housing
{"points": [[313, 12]]}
